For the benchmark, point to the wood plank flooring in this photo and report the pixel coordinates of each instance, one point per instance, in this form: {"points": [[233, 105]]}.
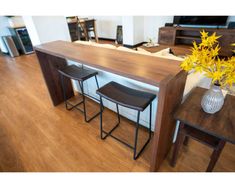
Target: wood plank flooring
{"points": [[35, 136]]}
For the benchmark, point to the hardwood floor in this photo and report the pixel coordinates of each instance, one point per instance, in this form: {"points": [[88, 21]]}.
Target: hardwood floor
{"points": [[35, 136]]}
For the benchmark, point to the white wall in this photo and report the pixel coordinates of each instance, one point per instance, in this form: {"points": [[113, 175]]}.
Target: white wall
{"points": [[28, 20], [51, 28], [16, 21], [138, 29], [128, 30], [4, 24], [133, 29], [152, 25], [107, 26], [44, 29]]}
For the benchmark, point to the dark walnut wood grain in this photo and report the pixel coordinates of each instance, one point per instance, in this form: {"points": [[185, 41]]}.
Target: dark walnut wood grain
{"points": [[163, 73], [148, 69], [220, 124], [49, 66], [169, 98]]}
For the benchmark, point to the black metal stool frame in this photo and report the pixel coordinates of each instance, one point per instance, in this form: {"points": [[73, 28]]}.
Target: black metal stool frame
{"points": [[135, 155], [83, 98]]}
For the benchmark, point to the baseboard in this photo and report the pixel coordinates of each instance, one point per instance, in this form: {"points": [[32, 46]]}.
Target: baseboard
{"points": [[134, 46], [101, 38], [108, 39]]}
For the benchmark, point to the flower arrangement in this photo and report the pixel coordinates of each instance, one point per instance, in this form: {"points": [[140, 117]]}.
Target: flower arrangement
{"points": [[205, 58]]}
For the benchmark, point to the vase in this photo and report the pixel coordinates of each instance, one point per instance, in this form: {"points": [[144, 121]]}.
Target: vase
{"points": [[212, 100]]}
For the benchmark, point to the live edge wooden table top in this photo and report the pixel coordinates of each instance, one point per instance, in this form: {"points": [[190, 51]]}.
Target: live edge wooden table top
{"points": [[163, 73], [220, 124]]}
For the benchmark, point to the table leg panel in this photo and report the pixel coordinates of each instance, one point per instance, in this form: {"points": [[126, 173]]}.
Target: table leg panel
{"points": [[170, 96], [49, 65]]}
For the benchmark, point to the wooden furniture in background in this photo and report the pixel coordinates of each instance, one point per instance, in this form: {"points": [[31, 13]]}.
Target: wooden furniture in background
{"points": [[211, 129], [186, 35], [73, 30], [80, 29], [163, 73], [88, 25], [179, 50]]}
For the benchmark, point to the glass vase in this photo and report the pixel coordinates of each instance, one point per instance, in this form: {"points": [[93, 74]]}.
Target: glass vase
{"points": [[213, 100]]}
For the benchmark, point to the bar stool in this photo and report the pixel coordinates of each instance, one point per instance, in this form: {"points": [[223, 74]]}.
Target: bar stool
{"points": [[80, 74], [130, 98]]}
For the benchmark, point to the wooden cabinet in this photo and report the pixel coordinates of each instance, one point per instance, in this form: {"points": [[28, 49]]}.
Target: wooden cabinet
{"points": [[73, 30], [186, 35], [167, 35]]}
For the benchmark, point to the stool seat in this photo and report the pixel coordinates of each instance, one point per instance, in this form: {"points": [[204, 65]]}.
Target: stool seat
{"points": [[80, 75], [77, 73], [126, 96]]}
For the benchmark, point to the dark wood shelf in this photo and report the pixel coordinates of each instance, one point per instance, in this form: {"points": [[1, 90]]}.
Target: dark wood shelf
{"points": [[185, 36], [188, 37]]}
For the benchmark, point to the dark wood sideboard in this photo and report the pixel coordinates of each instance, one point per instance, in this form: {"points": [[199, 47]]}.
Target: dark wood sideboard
{"points": [[186, 35]]}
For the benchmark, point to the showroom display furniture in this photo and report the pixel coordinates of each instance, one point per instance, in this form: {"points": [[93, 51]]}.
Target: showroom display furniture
{"points": [[130, 98], [162, 73], [213, 130]]}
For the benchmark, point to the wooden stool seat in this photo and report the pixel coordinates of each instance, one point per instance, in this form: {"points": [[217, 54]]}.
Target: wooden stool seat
{"points": [[77, 73], [125, 96], [80, 75]]}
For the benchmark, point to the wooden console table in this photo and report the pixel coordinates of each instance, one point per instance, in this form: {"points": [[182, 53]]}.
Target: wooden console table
{"points": [[163, 73]]}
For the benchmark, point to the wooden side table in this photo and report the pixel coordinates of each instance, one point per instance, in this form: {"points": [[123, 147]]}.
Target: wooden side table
{"points": [[214, 130]]}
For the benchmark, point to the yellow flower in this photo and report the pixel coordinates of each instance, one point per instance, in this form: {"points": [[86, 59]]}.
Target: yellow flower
{"points": [[233, 45], [205, 58], [204, 34]]}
